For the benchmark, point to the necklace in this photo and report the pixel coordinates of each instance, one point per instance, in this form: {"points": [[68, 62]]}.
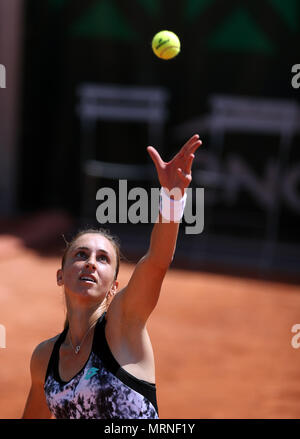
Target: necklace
{"points": [[77, 348]]}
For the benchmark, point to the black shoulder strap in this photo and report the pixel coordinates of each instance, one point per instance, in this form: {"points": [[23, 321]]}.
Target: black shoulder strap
{"points": [[54, 355]]}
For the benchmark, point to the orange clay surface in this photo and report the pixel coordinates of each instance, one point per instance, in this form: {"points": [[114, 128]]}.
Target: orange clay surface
{"points": [[222, 344]]}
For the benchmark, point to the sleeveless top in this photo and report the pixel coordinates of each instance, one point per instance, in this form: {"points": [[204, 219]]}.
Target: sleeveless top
{"points": [[102, 389]]}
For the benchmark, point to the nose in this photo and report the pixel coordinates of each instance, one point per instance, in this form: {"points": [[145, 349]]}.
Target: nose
{"points": [[90, 263]]}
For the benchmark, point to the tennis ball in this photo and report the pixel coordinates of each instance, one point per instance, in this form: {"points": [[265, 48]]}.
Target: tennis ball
{"points": [[166, 44]]}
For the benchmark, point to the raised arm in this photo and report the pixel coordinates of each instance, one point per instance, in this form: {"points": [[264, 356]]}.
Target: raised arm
{"points": [[175, 174], [140, 296]]}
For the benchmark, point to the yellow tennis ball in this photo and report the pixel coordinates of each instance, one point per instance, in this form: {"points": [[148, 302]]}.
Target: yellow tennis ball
{"points": [[166, 44]]}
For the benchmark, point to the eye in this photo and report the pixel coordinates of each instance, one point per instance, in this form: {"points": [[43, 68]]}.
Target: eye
{"points": [[103, 257], [80, 254]]}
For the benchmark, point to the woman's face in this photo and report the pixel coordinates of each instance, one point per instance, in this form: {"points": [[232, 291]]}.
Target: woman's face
{"points": [[89, 268]]}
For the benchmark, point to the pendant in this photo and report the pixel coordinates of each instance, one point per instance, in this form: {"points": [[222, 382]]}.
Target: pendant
{"points": [[77, 349]]}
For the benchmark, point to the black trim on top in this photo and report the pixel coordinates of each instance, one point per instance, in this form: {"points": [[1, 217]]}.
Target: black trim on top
{"points": [[102, 349], [53, 361]]}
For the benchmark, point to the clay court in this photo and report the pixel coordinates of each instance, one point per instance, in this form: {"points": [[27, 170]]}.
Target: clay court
{"points": [[222, 343]]}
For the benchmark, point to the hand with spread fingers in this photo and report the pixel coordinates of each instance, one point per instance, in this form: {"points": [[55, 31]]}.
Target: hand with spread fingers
{"points": [[177, 172]]}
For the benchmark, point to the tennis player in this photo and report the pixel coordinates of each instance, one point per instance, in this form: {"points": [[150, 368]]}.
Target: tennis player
{"points": [[102, 365]]}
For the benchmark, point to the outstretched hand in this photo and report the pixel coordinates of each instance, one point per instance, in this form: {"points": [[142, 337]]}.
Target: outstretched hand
{"points": [[177, 172]]}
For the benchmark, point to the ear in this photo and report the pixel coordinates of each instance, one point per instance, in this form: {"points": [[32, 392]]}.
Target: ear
{"points": [[113, 289], [59, 277]]}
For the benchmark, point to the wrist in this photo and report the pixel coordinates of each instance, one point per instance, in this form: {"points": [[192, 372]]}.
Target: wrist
{"points": [[175, 194], [172, 204]]}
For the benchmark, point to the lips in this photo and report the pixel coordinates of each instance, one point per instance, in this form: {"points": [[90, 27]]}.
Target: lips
{"points": [[88, 278]]}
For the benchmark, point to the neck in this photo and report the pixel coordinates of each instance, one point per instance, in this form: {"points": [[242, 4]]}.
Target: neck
{"points": [[81, 321]]}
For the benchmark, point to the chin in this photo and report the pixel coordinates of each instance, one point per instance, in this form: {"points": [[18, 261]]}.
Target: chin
{"points": [[89, 292]]}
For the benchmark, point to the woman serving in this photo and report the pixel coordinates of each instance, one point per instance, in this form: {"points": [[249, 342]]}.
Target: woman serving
{"points": [[102, 365]]}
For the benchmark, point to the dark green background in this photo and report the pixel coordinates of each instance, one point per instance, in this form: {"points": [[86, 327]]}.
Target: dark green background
{"points": [[228, 47]]}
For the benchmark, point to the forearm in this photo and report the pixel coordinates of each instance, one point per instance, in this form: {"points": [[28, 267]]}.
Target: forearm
{"points": [[174, 177], [163, 242]]}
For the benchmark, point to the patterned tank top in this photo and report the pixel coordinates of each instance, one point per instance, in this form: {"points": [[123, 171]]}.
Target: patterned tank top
{"points": [[102, 389]]}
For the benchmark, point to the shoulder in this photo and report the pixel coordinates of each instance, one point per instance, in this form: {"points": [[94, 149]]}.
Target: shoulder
{"points": [[40, 358], [129, 343]]}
